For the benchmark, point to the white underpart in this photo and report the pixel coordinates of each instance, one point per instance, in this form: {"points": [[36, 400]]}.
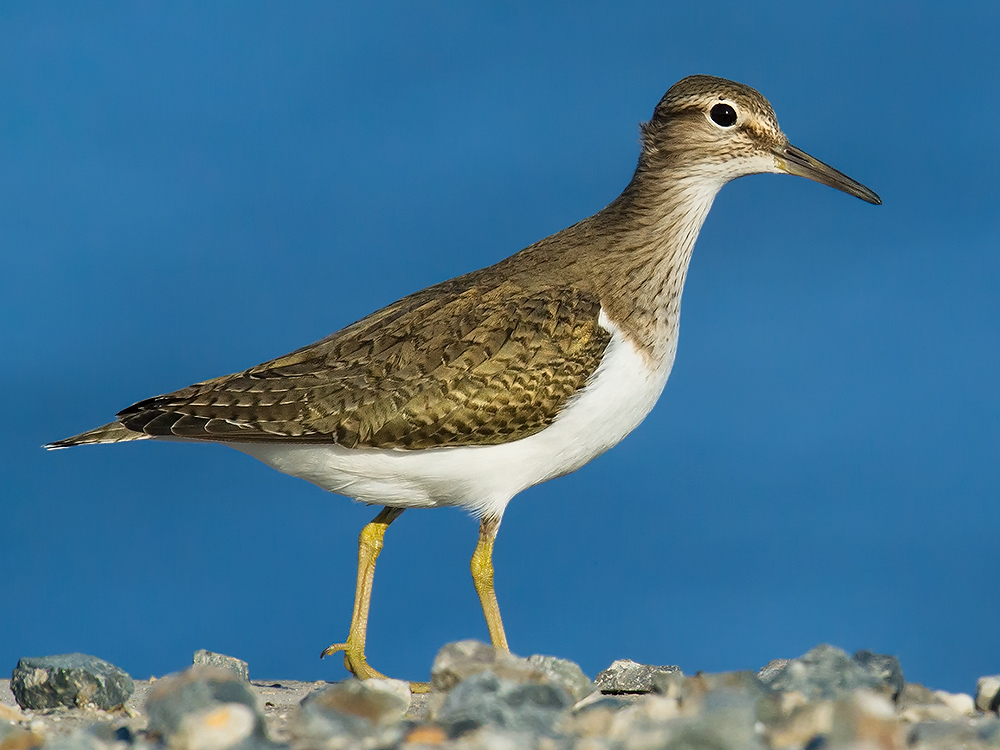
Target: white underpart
{"points": [[483, 478]]}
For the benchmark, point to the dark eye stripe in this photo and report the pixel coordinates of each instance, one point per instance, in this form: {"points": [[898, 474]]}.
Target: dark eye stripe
{"points": [[723, 115]]}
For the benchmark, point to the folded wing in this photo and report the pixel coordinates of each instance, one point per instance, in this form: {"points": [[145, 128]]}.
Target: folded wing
{"points": [[455, 364]]}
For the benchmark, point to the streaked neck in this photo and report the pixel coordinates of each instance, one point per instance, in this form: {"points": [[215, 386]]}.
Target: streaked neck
{"points": [[641, 274]]}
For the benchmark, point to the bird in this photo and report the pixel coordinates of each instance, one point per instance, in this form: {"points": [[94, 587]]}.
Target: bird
{"points": [[469, 391]]}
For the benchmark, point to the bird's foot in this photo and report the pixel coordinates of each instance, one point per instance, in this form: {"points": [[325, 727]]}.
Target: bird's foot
{"points": [[357, 664], [354, 660]]}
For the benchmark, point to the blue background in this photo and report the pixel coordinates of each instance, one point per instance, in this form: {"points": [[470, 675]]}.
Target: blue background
{"points": [[189, 189]]}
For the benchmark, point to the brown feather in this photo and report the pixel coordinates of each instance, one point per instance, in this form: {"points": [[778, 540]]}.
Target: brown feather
{"points": [[478, 360]]}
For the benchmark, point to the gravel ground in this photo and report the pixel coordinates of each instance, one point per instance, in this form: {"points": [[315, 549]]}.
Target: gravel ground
{"points": [[824, 699]]}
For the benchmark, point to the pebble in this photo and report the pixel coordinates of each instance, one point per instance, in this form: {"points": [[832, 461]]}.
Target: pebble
{"points": [[78, 739], [702, 689], [654, 721], [988, 693], [825, 672], [916, 703], [565, 673], [351, 709], [459, 661], [972, 734], [215, 728], [487, 699], [198, 691], [456, 661], [70, 680], [959, 703], [212, 659], [729, 724], [352, 714], [883, 666], [626, 676]]}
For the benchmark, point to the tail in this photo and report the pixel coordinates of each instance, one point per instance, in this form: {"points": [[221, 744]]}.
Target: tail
{"points": [[115, 432]]}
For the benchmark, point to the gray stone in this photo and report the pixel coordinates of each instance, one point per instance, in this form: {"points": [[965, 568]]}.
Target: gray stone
{"points": [[188, 705], [669, 684], [109, 734], [916, 703], [71, 680], [456, 661], [769, 670], [627, 676], [211, 659], [915, 694], [708, 682], [988, 693], [78, 739], [968, 734], [354, 708], [486, 699], [884, 667], [730, 723], [463, 659], [565, 673], [987, 729], [351, 714], [102, 735], [708, 692], [723, 721], [824, 673]]}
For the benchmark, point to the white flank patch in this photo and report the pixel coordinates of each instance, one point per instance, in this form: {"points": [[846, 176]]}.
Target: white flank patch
{"points": [[483, 478]]}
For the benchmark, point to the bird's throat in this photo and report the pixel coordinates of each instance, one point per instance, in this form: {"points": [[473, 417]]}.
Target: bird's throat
{"points": [[641, 275]]}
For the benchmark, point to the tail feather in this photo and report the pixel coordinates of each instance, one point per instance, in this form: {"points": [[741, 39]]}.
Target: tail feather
{"points": [[114, 432]]}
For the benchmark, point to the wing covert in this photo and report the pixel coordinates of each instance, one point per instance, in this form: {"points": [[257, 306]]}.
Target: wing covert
{"points": [[452, 365]]}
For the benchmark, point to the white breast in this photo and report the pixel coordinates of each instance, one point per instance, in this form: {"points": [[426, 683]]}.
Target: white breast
{"points": [[484, 478]]}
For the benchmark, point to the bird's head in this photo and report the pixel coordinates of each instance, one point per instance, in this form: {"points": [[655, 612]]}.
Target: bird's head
{"points": [[718, 130]]}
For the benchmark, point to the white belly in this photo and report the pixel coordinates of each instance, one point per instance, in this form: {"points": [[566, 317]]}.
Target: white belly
{"points": [[484, 478]]}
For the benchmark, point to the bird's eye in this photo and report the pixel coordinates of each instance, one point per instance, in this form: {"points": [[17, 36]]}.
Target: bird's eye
{"points": [[723, 115]]}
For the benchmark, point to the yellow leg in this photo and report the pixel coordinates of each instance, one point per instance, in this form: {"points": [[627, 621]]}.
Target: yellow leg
{"points": [[482, 576], [370, 544]]}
